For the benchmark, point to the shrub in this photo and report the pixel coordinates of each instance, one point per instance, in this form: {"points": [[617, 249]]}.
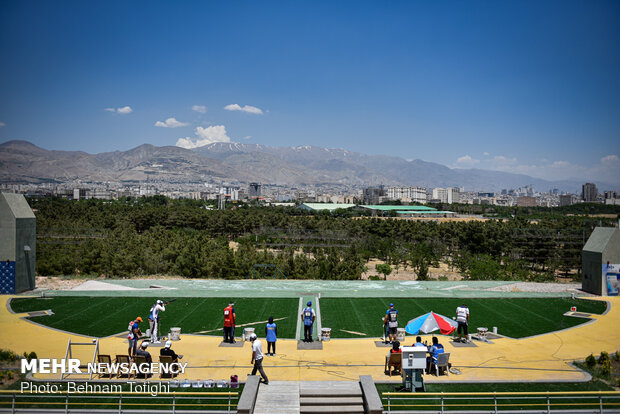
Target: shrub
{"points": [[30, 356], [604, 358], [1, 376], [590, 361], [606, 367], [10, 375], [617, 356], [6, 355]]}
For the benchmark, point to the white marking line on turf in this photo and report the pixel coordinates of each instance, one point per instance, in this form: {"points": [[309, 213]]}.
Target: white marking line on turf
{"points": [[353, 332], [298, 329], [454, 287], [239, 326]]}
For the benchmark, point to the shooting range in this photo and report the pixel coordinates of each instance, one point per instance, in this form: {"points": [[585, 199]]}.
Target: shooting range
{"points": [[17, 244], [600, 258]]}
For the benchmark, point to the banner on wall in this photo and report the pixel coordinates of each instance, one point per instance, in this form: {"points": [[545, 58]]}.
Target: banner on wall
{"points": [[611, 276]]}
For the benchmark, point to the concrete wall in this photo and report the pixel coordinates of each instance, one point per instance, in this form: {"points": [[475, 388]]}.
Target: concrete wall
{"points": [[17, 230], [602, 247], [592, 280]]}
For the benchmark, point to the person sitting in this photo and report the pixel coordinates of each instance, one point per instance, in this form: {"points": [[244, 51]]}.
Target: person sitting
{"points": [[167, 351], [395, 348], [418, 341], [435, 349], [143, 352]]}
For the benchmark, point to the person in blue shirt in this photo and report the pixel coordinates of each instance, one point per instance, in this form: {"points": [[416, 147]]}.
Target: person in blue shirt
{"points": [[435, 349], [308, 316], [391, 320], [271, 333], [418, 341]]}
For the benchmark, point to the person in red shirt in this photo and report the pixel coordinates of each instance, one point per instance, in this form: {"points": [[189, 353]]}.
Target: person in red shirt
{"points": [[230, 319]]}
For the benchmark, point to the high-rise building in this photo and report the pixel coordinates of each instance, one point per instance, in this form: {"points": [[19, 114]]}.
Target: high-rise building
{"points": [[589, 192], [373, 195], [566, 200], [526, 201], [407, 194], [446, 195], [254, 190]]}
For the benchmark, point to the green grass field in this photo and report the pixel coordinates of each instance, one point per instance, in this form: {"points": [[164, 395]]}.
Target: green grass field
{"points": [[425, 402], [517, 318], [103, 316]]}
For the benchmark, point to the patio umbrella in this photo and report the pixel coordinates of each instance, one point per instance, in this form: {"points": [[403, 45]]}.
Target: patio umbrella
{"points": [[431, 322]]}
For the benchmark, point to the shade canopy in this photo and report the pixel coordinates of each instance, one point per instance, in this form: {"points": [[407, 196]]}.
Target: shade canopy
{"points": [[431, 322]]}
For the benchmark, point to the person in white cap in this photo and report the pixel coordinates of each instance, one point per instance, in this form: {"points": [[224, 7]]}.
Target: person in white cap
{"points": [[167, 351], [154, 319], [257, 358], [143, 352]]}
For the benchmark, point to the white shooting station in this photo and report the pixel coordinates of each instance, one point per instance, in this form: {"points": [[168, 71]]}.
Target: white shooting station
{"points": [[414, 364]]}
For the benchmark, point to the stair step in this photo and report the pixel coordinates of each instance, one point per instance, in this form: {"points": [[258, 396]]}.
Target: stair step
{"points": [[330, 400], [330, 393], [351, 409]]}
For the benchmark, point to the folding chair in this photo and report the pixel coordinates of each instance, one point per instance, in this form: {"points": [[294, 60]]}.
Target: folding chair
{"points": [[139, 360], [124, 359], [443, 361], [166, 361], [107, 361], [394, 360]]}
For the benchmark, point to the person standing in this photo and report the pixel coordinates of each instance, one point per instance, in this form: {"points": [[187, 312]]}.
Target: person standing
{"points": [[154, 319], [308, 316], [230, 318], [134, 334], [462, 318], [271, 334], [257, 358], [391, 320]]}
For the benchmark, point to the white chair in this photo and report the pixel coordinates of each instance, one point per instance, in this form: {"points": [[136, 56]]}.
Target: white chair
{"points": [[443, 361]]}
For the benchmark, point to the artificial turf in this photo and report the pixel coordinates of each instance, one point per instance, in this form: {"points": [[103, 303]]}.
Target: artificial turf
{"points": [[473, 402], [104, 316], [514, 317]]}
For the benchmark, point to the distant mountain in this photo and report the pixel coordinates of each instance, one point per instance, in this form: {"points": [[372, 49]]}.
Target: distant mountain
{"points": [[23, 162]]}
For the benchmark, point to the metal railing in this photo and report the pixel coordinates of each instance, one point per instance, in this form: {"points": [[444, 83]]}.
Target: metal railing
{"points": [[14, 401], [496, 402]]}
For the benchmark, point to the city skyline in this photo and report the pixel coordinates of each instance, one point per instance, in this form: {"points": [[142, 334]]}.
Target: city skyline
{"points": [[518, 87]]}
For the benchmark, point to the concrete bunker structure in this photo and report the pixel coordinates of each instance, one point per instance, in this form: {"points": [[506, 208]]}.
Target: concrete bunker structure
{"points": [[17, 244]]}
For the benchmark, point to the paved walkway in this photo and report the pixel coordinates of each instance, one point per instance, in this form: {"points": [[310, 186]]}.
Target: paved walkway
{"points": [[278, 397], [541, 358]]}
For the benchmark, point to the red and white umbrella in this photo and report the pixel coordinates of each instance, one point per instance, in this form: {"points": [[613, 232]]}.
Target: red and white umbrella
{"points": [[431, 322]]}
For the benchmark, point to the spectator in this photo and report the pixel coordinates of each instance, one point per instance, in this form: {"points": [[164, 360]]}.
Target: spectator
{"points": [[167, 351], [143, 352], [418, 341], [435, 349]]}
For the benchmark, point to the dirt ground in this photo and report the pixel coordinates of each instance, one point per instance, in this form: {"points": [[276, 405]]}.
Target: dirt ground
{"points": [[407, 273]]}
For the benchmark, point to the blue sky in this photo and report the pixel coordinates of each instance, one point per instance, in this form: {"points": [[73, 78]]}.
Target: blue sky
{"points": [[523, 86]]}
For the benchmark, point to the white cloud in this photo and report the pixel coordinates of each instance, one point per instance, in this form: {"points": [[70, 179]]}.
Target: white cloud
{"points": [[171, 123], [467, 161], [123, 110], [610, 159], [204, 136], [2, 124], [500, 159], [560, 164], [200, 109], [486, 154], [247, 108], [247, 137]]}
